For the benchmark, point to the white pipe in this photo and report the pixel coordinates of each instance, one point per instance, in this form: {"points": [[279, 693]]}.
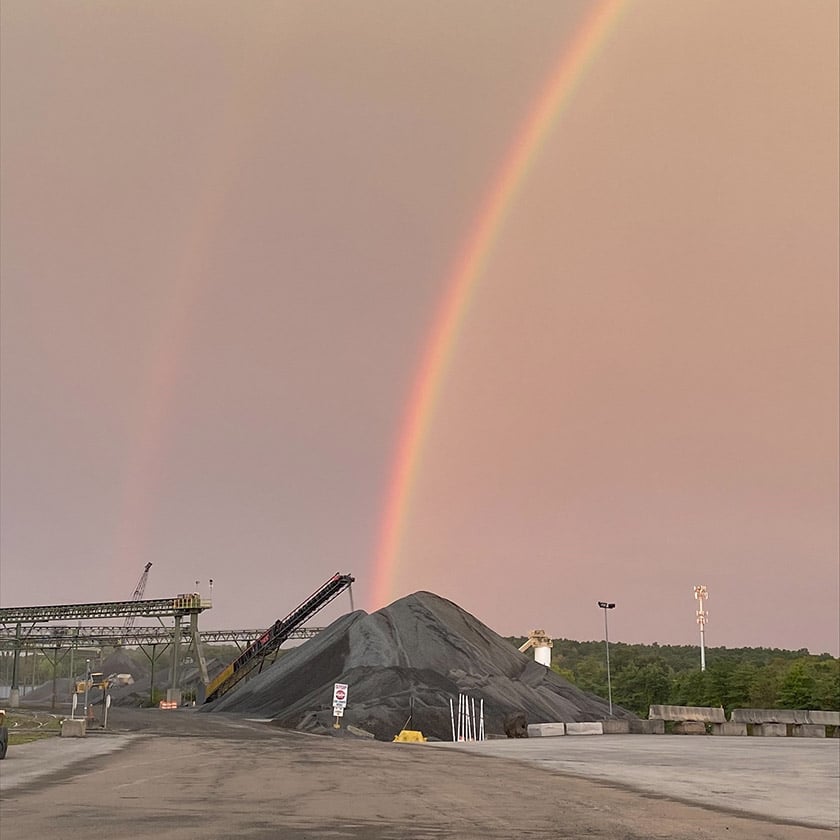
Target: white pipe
{"points": [[464, 733], [452, 718], [467, 718]]}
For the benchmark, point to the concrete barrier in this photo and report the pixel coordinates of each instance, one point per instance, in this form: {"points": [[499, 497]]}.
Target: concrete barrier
{"points": [[647, 727], [808, 730], [73, 728], [703, 714], [789, 716], [770, 730], [689, 727], [546, 730], [615, 727], [585, 728], [824, 718], [729, 728]]}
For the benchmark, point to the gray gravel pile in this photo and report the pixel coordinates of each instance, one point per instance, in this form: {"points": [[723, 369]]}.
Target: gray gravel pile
{"points": [[118, 662], [420, 652]]}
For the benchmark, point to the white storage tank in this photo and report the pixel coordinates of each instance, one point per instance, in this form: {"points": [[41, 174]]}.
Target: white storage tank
{"points": [[542, 644]]}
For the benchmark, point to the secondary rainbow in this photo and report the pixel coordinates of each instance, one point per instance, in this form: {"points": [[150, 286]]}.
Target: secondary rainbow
{"points": [[464, 277]]}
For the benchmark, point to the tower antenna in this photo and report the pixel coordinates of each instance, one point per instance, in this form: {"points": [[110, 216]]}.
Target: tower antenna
{"points": [[702, 594]]}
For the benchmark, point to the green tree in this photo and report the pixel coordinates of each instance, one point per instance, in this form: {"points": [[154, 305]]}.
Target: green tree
{"points": [[592, 676], [693, 688], [798, 687], [764, 689], [637, 688], [827, 688]]}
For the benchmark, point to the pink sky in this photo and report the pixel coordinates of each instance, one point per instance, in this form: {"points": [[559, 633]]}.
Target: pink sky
{"points": [[224, 237]]}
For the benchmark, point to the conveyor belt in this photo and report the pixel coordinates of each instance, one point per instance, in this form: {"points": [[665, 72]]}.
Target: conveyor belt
{"points": [[275, 636]]}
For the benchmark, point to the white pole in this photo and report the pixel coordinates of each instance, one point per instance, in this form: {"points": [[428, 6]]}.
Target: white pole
{"points": [[474, 718], [466, 718], [701, 593], [460, 717], [481, 721], [87, 685]]}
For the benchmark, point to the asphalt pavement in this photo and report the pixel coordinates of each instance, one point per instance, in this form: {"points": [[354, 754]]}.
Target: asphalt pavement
{"points": [[792, 779], [184, 775]]}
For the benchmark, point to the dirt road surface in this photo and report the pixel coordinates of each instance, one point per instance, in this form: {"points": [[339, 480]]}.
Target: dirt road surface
{"points": [[184, 775]]}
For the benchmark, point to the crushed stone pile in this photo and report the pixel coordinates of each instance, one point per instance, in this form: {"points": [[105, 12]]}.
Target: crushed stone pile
{"points": [[422, 650], [119, 662], [42, 694], [140, 693]]}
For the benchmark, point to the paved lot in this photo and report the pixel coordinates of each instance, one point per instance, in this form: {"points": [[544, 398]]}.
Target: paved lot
{"points": [[180, 775], [796, 779], [29, 763]]}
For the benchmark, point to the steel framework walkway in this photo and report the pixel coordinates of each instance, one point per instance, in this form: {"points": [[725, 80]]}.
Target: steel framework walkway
{"points": [[190, 605], [180, 605], [58, 635]]}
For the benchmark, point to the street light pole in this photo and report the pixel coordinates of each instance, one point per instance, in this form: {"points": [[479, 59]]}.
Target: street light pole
{"points": [[604, 605]]}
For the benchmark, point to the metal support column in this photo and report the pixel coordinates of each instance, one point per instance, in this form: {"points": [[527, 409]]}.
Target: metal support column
{"points": [[197, 649], [175, 670], [14, 690]]}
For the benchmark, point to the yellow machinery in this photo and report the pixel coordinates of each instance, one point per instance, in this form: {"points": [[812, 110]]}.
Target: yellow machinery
{"points": [[410, 736]]}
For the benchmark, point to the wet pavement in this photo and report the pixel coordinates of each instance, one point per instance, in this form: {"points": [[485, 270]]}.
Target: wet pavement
{"points": [[795, 779], [181, 775]]}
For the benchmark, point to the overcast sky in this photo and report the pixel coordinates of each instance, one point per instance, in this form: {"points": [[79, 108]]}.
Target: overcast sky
{"points": [[227, 227]]}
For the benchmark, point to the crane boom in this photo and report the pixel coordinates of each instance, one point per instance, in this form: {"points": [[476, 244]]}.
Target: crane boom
{"points": [[138, 594]]}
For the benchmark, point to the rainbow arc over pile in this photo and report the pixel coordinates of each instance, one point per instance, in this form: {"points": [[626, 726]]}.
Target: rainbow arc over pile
{"points": [[465, 276]]}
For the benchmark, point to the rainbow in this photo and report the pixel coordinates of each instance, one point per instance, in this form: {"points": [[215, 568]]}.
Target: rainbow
{"points": [[466, 272], [167, 358]]}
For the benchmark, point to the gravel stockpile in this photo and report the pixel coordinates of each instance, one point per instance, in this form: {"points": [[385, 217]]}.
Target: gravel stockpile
{"points": [[421, 649]]}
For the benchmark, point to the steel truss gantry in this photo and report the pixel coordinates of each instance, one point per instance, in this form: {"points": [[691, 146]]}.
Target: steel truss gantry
{"points": [[180, 605], [190, 605], [52, 636]]}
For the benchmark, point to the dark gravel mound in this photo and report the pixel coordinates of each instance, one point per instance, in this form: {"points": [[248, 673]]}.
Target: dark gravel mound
{"points": [[119, 662], [423, 650]]}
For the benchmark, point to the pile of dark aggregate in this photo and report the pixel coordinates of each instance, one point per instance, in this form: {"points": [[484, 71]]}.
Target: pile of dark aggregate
{"points": [[410, 658], [118, 662]]}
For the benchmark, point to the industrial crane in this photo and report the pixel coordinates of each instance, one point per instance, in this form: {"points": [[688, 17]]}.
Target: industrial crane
{"points": [[138, 595]]}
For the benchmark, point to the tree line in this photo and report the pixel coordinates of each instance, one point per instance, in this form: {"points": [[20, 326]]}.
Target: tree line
{"points": [[735, 678]]}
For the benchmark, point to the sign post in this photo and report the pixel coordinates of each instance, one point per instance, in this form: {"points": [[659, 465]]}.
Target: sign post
{"points": [[339, 703]]}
